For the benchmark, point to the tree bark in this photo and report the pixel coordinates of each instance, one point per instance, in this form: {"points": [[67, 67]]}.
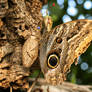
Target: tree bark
{"points": [[19, 20]]}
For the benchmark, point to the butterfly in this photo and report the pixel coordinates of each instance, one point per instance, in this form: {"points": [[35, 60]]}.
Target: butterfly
{"points": [[62, 46]]}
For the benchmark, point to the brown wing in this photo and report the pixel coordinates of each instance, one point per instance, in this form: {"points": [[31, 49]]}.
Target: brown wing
{"points": [[79, 38], [67, 41]]}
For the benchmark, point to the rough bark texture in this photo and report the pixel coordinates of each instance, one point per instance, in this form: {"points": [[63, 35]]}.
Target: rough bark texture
{"points": [[19, 22]]}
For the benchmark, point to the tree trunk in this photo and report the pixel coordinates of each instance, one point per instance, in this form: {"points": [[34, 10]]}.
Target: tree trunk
{"points": [[19, 22]]}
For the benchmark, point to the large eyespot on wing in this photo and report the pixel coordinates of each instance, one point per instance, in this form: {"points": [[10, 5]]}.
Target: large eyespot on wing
{"points": [[53, 61], [54, 75]]}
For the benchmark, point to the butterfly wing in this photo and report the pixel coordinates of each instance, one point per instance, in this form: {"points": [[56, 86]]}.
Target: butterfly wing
{"points": [[62, 46]]}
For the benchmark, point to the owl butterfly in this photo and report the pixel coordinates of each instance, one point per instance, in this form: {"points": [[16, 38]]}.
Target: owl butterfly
{"points": [[62, 46]]}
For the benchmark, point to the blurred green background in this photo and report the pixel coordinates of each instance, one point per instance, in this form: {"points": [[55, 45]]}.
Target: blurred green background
{"points": [[63, 11]]}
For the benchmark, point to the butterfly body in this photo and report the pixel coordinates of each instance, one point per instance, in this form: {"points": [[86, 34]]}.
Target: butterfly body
{"points": [[67, 41]]}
